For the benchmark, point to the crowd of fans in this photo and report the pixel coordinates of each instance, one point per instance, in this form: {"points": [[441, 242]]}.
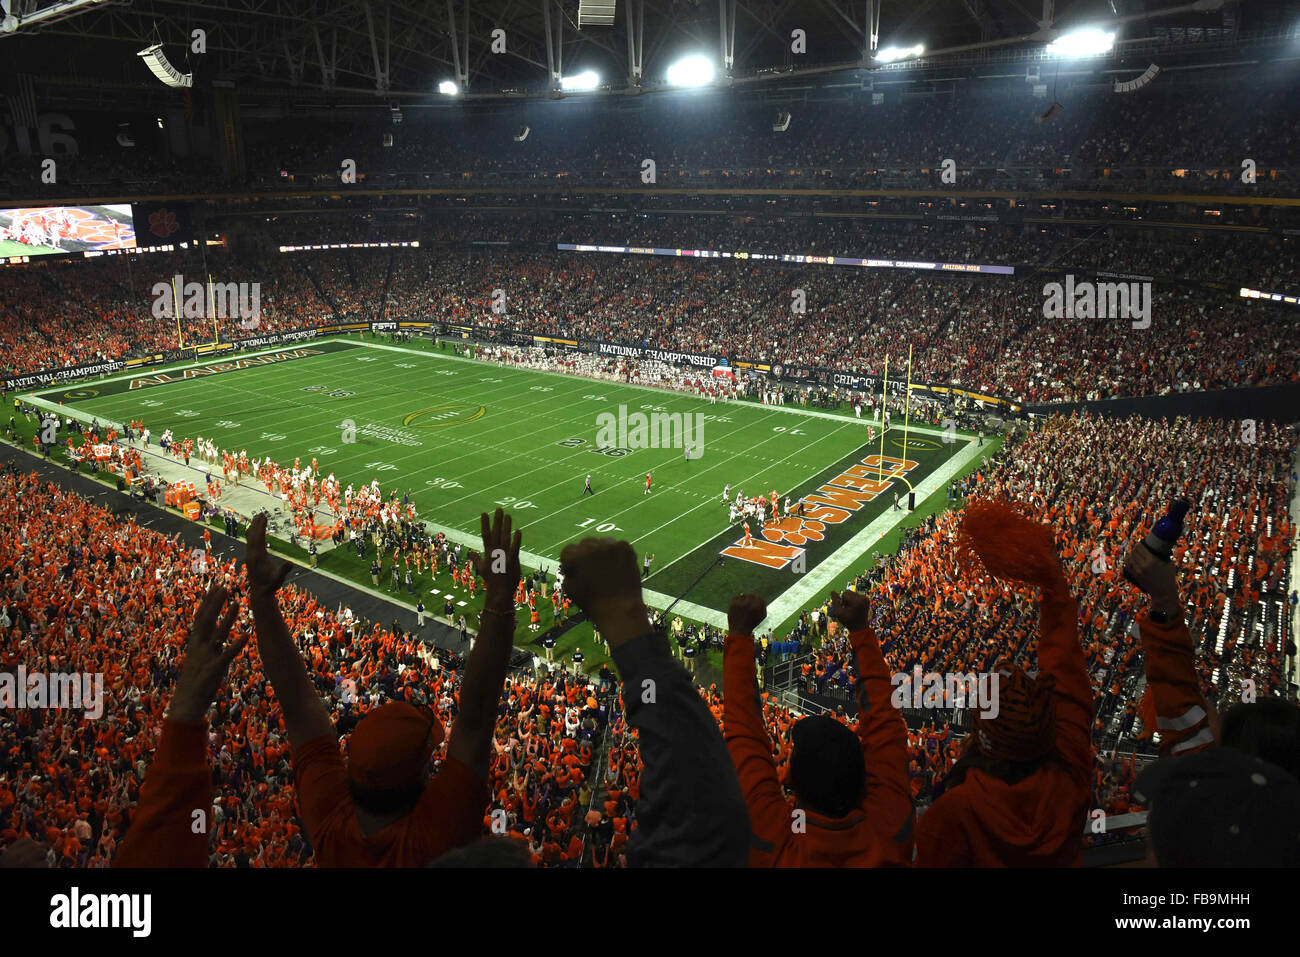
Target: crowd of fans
{"points": [[99, 594], [1234, 565], [988, 334]]}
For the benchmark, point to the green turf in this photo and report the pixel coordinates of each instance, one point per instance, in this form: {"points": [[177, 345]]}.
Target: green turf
{"points": [[466, 437], [11, 247]]}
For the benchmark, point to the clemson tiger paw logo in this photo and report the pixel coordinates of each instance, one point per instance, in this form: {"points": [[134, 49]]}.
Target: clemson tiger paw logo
{"points": [[163, 223], [794, 530]]}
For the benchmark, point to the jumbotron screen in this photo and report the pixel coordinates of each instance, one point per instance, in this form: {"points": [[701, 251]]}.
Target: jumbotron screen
{"points": [[63, 230]]}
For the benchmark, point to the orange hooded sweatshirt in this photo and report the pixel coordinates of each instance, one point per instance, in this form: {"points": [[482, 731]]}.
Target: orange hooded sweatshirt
{"points": [[1039, 821], [879, 832]]}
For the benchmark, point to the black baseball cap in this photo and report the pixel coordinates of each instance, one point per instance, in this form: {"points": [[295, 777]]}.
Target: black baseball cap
{"points": [[1221, 808]]}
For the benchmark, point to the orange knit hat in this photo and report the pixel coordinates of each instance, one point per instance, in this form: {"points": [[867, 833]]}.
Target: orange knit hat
{"points": [[391, 745]]}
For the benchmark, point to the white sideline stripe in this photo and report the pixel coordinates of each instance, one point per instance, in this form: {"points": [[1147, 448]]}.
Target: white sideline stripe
{"points": [[794, 410], [661, 601], [796, 597], [167, 368]]}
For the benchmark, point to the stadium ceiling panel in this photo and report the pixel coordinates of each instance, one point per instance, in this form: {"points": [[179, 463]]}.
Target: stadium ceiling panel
{"points": [[360, 49]]}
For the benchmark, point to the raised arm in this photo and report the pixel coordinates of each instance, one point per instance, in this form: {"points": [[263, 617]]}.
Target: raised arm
{"points": [[1061, 655], [746, 736], [1010, 545], [1184, 717], [691, 812], [881, 727], [485, 670], [305, 717], [179, 781]]}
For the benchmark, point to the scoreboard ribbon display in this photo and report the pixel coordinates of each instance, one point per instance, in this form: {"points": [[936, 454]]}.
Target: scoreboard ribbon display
{"points": [[792, 258]]}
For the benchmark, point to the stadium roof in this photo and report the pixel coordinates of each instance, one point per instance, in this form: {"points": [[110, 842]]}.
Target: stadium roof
{"points": [[393, 50]]}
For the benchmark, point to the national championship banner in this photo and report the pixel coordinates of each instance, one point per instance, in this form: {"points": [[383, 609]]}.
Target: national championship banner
{"points": [[296, 335], [697, 359], [39, 379], [36, 380]]}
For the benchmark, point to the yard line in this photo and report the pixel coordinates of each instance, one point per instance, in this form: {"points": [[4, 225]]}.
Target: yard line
{"points": [[728, 461], [571, 505], [793, 409]]}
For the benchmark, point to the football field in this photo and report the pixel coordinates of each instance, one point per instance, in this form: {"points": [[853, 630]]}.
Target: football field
{"points": [[465, 436]]}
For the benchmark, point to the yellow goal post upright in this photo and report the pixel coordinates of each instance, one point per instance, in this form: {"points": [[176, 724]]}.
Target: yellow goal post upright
{"points": [[907, 417], [907, 414], [212, 314], [212, 308], [884, 411], [176, 309], [907, 401]]}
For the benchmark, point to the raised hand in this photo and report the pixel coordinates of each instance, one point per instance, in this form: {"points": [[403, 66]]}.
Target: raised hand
{"points": [[207, 657], [851, 610], [499, 563], [745, 613], [601, 576], [1157, 578], [264, 577]]}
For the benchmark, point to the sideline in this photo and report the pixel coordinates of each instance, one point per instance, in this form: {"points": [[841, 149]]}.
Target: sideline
{"points": [[786, 604]]}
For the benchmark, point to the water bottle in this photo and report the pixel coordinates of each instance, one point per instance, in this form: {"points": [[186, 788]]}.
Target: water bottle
{"points": [[1164, 535]]}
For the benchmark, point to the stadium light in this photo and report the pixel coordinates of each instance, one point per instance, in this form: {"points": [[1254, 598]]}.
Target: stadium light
{"points": [[1079, 43], [891, 54], [448, 88], [691, 71], [587, 80], [158, 65]]}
